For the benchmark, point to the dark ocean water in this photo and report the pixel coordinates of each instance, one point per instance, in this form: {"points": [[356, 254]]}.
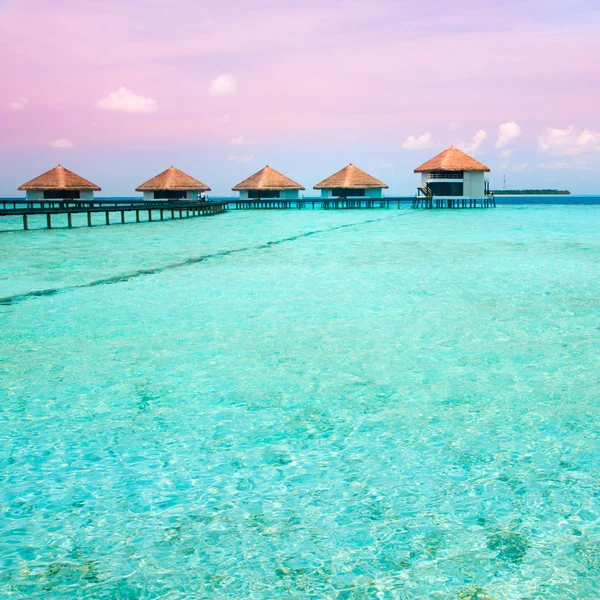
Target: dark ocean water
{"points": [[583, 199]]}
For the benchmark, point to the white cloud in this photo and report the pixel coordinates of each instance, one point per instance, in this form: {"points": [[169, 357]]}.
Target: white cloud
{"points": [[520, 168], [243, 158], [567, 142], [387, 165], [223, 85], [475, 143], [62, 143], [127, 101], [238, 141], [556, 164], [575, 163], [505, 156], [418, 142], [19, 104], [507, 132]]}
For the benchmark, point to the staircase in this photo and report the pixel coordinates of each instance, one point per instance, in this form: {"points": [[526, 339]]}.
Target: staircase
{"points": [[425, 190]]}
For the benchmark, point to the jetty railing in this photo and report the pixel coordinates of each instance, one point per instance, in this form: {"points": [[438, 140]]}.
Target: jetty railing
{"points": [[435, 202], [317, 203], [156, 210], [49, 209]]}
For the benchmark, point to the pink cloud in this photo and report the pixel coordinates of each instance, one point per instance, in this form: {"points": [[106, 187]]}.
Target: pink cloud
{"points": [[337, 71]]}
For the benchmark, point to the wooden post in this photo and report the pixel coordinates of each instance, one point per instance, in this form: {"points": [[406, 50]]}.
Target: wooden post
{"points": [[69, 220], [149, 215], [172, 214], [107, 217], [25, 223], [162, 214], [137, 216], [89, 219], [49, 220], [123, 216]]}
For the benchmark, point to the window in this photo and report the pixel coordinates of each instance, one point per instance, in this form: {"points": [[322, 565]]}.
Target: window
{"points": [[61, 194], [168, 195], [347, 193], [446, 188], [263, 194]]}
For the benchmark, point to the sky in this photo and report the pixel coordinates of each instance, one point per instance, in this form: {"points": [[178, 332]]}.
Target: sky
{"points": [[119, 90]]}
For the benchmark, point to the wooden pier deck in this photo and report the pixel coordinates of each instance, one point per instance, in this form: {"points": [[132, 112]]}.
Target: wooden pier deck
{"points": [[316, 203], [433, 202], [155, 211], [358, 203]]}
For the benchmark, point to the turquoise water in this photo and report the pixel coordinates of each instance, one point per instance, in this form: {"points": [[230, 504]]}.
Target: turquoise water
{"points": [[312, 404]]}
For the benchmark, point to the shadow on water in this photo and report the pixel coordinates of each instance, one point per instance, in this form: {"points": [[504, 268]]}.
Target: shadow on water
{"points": [[178, 265]]}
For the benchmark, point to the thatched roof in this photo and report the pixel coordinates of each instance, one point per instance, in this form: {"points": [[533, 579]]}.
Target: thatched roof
{"points": [[267, 179], [173, 179], [451, 159], [350, 177], [59, 178]]}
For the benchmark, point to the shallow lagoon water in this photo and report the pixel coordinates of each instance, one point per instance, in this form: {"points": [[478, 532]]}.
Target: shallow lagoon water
{"points": [[387, 404]]}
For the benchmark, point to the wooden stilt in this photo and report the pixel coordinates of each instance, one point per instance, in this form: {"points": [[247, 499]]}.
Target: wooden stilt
{"points": [[25, 223], [107, 215], [123, 217], [69, 220], [49, 220]]}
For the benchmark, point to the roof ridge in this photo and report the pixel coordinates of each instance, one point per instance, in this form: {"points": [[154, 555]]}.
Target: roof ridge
{"points": [[451, 159], [350, 177], [267, 178], [172, 178], [59, 178]]}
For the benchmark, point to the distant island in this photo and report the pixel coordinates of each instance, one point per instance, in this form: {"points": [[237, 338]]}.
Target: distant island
{"points": [[531, 192]]}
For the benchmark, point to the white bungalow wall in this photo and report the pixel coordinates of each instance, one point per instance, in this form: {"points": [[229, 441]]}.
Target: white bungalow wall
{"points": [[34, 195], [473, 184]]}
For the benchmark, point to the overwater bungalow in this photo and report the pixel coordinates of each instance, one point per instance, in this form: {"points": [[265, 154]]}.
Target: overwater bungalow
{"points": [[452, 174], [172, 184], [351, 182], [59, 184], [268, 183]]}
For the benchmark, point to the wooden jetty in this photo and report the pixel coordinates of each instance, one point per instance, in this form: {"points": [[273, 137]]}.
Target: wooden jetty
{"points": [[318, 203], [159, 210], [153, 210], [428, 202]]}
